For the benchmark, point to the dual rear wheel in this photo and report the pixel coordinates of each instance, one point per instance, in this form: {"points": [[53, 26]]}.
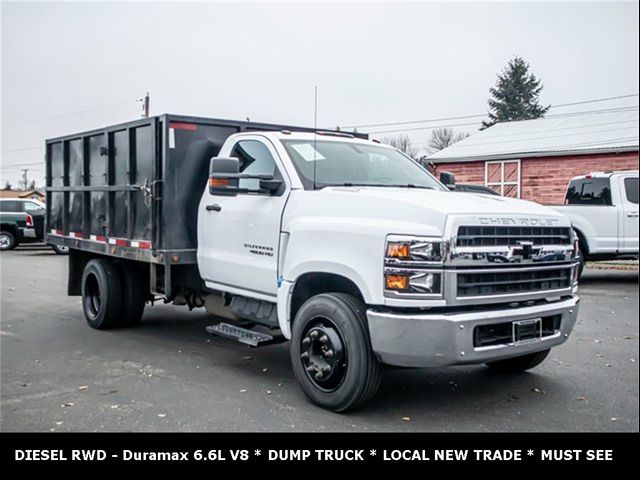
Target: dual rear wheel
{"points": [[113, 295]]}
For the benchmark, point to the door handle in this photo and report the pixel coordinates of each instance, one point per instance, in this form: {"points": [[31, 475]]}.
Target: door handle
{"points": [[213, 207], [632, 214]]}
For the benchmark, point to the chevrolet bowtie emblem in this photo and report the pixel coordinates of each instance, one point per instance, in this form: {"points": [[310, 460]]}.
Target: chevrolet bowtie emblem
{"points": [[524, 249]]}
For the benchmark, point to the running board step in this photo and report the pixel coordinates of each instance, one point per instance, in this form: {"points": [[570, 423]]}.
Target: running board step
{"points": [[243, 335]]}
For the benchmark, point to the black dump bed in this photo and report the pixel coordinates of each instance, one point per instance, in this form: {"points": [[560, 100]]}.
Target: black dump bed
{"points": [[132, 190]]}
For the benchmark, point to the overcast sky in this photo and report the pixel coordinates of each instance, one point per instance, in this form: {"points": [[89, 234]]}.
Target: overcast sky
{"points": [[372, 62]]}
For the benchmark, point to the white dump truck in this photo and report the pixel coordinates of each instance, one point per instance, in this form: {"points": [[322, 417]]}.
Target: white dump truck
{"points": [[344, 247]]}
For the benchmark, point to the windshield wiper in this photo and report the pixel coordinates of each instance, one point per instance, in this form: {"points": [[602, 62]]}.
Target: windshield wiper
{"points": [[399, 185], [349, 184], [407, 185]]}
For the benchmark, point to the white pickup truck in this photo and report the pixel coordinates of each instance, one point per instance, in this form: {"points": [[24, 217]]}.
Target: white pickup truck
{"points": [[343, 246], [603, 209]]}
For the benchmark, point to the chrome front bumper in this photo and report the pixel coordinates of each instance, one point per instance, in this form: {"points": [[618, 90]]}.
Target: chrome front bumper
{"points": [[439, 339]]}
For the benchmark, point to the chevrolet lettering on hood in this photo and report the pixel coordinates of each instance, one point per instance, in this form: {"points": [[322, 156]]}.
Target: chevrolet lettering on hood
{"points": [[520, 222]]}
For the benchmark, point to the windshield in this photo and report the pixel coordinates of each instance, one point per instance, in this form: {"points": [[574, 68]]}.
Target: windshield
{"points": [[355, 164]]}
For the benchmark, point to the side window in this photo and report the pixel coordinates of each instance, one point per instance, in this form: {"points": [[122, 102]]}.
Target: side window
{"points": [[631, 189], [255, 159], [10, 206], [32, 207], [589, 191]]}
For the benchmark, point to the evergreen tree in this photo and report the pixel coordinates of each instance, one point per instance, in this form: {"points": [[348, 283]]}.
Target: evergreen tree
{"points": [[515, 95]]}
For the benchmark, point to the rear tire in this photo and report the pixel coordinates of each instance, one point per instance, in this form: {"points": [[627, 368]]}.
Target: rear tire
{"points": [[519, 364], [351, 374], [7, 240], [135, 290], [101, 294], [60, 249]]}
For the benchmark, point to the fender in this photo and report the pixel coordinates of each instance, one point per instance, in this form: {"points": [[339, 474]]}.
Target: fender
{"points": [[286, 287]]}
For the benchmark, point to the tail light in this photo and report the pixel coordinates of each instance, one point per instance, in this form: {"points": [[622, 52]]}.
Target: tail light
{"points": [[29, 220]]}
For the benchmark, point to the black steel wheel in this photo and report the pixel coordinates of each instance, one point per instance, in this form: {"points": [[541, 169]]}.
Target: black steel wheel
{"points": [[331, 352], [323, 354], [101, 294]]}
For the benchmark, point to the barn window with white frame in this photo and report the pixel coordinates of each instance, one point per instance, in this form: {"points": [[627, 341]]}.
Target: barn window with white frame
{"points": [[503, 177]]}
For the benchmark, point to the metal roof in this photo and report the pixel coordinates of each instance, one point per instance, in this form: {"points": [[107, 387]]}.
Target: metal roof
{"points": [[580, 133]]}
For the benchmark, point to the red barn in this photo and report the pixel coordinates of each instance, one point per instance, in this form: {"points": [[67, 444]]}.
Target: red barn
{"points": [[535, 159]]}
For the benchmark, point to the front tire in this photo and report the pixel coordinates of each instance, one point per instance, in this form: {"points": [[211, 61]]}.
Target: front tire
{"points": [[519, 364], [101, 294], [331, 352], [7, 240]]}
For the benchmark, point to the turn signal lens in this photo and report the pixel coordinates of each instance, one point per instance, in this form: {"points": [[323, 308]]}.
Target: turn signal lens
{"points": [[398, 250], [396, 282], [218, 182]]}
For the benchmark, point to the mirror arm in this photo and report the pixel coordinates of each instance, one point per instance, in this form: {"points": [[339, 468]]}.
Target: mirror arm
{"points": [[241, 176]]}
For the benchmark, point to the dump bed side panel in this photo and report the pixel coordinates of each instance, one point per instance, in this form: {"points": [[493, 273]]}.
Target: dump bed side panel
{"points": [[98, 189]]}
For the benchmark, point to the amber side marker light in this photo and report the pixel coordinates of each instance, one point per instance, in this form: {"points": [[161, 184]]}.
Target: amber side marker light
{"points": [[218, 182], [398, 250], [396, 282]]}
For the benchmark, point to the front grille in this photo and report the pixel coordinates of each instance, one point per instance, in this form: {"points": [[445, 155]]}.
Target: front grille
{"points": [[510, 236], [501, 283], [502, 333]]}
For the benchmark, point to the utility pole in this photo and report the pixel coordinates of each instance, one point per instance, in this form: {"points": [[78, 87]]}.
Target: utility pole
{"points": [[145, 106], [24, 177]]}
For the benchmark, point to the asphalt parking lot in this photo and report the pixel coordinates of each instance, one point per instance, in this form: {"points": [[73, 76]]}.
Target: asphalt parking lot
{"points": [[167, 374]]}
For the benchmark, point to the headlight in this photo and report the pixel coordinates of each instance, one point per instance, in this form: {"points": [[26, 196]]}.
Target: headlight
{"points": [[402, 249], [414, 282], [412, 267]]}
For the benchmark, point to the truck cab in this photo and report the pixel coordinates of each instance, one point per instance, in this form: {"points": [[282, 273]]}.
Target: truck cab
{"points": [[318, 223]]}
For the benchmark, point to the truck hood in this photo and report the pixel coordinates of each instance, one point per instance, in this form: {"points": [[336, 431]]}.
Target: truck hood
{"points": [[403, 210], [446, 202]]}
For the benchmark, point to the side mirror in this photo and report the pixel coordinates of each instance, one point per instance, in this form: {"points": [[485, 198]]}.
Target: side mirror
{"points": [[449, 179], [223, 175], [224, 179]]}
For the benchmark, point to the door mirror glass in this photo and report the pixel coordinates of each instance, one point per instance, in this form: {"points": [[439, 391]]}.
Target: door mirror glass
{"points": [[449, 179], [223, 175]]}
